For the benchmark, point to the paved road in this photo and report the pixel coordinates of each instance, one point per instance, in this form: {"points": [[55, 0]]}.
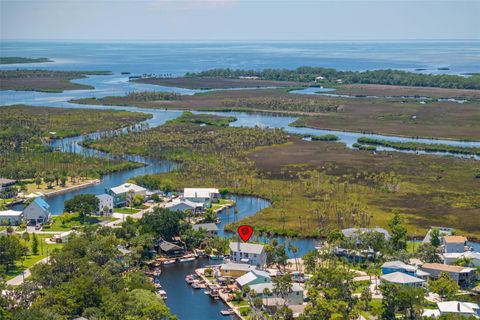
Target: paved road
{"points": [[18, 280]]}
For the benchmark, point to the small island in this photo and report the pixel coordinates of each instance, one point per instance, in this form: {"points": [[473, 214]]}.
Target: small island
{"points": [[15, 60]]}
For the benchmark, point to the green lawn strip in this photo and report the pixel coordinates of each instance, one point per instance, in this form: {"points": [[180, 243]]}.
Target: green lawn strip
{"points": [[66, 221], [126, 210]]}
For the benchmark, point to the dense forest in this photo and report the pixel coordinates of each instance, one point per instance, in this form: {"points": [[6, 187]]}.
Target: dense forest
{"points": [[388, 77], [12, 60]]}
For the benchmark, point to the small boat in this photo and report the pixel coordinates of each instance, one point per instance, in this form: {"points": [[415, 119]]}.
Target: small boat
{"points": [[196, 284], [172, 261], [187, 259], [228, 312], [162, 294], [207, 292], [189, 279], [157, 272]]}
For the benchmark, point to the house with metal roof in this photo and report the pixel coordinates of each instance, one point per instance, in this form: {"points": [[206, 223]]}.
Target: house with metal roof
{"points": [[184, 205], [38, 211], [356, 232], [253, 277], [403, 279], [201, 195], [210, 228], [123, 192], [464, 276], [451, 258], [445, 308], [11, 217], [399, 266], [250, 253], [234, 270]]}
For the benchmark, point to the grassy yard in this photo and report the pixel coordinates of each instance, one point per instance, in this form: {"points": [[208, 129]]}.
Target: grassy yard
{"points": [[44, 188], [126, 210], [66, 221], [30, 259]]}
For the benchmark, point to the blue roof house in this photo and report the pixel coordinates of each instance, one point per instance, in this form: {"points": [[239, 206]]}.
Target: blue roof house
{"points": [[38, 211]]}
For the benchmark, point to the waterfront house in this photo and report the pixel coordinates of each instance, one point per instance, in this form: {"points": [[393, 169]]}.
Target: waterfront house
{"points": [[357, 232], [10, 217], [250, 253], [253, 277], [444, 231], [234, 270], [169, 249], [399, 266], [7, 188], [403, 279], [211, 229], [201, 195], [38, 211], [458, 308], [465, 277], [124, 192], [105, 204], [452, 244], [294, 297], [451, 258], [184, 205]]}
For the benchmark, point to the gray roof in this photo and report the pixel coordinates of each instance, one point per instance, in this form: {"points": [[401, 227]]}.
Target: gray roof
{"points": [[261, 286], [351, 232], [104, 196], [236, 266], [401, 278], [205, 226], [251, 276], [168, 246], [247, 247]]}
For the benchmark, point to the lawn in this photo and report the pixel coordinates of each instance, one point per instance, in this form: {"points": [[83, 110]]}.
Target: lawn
{"points": [[126, 210], [66, 221], [30, 259], [44, 188]]}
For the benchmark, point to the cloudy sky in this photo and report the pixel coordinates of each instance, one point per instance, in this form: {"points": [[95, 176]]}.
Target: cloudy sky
{"points": [[239, 19]]}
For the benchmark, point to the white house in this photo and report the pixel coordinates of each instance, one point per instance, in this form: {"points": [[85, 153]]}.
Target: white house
{"points": [[254, 277], [403, 279], [11, 217], [183, 205], [356, 232], [474, 257], [294, 297], [105, 204], [464, 309], [38, 211], [454, 244], [250, 253], [122, 193], [201, 195]]}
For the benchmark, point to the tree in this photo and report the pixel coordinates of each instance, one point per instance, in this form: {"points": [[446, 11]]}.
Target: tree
{"points": [[34, 244], [276, 254], [209, 216], [435, 237], [155, 197], [138, 199], [162, 223], [38, 181], [366, 297], [426, 252], [10, 250], [444, 286], [406, 300], [63, 181], [399, 232], [49, 179], [282, 286], [84, 204]]}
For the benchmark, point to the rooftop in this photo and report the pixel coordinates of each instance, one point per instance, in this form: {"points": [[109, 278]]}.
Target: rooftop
{"points": [[205, 226], [398, 264], [236, 266], [454, 239], [41, 203], [199, 192], [446, 267], [104, 196], [261, 286], [401, 278], [10, 213], [168, 246], [247, 247], [350, 232], [457, 307], [123, 188]]}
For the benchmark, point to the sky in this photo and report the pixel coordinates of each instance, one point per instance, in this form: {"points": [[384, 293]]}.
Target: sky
{"points": [[239, 20]]}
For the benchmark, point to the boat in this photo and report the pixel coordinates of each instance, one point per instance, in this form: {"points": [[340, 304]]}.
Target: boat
{"points": [[187, 259], [189, 279], [227, 312], [196, 284], [172, 261], [162, 294], [157, 272], [207, 292]]}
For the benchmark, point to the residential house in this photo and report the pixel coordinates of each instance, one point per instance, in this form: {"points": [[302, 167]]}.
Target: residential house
{"points": [[474, 257], [465, 277], [399, 266], [7, 188], [169, 249], [253, 277], [122, 194], [211, 229], [105, 204], [10, 217], [294, 297], [403, 279], [38, 211], [445, 308], [250, 253], [234, 270], [184, 205], [452, 244], [201, 195], [356, 232]]}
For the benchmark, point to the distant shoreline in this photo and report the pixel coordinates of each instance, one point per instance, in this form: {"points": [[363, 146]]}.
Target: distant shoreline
{"points": [[22, 60]]}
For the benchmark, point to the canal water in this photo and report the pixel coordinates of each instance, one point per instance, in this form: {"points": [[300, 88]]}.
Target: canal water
{"points": [[177, 59]]}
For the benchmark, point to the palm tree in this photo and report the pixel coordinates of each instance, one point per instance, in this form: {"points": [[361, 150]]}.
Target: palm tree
{"points": [[266, 294], [293, 249]]}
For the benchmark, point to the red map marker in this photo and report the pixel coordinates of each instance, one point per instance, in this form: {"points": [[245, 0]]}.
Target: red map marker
{"points": [[245, 232]]}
